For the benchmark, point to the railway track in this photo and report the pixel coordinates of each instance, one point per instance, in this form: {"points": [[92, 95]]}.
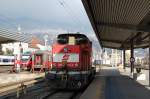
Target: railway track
{"points": [[61, 94], [16, 89], [48, 93], [42, 91]]}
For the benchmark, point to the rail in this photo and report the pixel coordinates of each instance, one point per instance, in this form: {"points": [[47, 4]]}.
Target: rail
{"points": [[19, 87]]}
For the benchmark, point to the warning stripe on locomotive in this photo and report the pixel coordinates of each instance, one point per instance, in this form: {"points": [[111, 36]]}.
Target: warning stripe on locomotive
{"points": [[70, 57]]}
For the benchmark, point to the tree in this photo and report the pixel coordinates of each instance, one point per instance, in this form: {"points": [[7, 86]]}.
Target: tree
{"points": [[9, 52]]}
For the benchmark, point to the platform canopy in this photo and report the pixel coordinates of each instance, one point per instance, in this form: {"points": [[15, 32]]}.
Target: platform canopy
{"points": [[7, 36], [118, 22]]}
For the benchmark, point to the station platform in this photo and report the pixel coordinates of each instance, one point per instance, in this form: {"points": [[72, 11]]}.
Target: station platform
{"points": [[5, 69], [109, 83], [9, 78]]}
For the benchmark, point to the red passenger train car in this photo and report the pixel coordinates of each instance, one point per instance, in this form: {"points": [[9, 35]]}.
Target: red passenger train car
{"points": [[37, 60], [71, 62]]}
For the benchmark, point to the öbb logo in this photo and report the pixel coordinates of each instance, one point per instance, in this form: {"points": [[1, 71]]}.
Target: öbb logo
{"points": [[65, 57]]}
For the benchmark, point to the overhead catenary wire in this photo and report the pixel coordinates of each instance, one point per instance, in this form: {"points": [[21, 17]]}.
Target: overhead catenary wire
{"points": [[67, 11], [71, 13], [81, 12]]}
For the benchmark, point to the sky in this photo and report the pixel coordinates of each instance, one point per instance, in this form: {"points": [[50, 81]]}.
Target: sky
{"points": [[45, 16]]}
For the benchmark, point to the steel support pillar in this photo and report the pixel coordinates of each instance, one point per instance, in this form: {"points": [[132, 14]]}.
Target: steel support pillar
{"points": [[149, 61], [132, 57], [124, 59], [1, 52]]}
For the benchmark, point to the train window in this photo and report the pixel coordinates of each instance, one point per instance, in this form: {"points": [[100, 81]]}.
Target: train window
{"points": [[81, 40], [5, 60], [72, 39], [13, 60], [24, 59], [62, 40]]}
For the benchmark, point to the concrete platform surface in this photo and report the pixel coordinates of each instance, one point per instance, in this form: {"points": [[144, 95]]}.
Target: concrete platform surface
{"points": [[109, 83], [8, 78], [127, 73], [95, 90], [5, 69], [123, 87]]}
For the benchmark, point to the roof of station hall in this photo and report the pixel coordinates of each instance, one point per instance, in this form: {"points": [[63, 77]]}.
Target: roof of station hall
{"points": [[117, 22], [8, 36]]}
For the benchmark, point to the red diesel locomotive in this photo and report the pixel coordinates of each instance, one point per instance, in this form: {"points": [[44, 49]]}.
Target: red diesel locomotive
{"points": [[71, 62]]}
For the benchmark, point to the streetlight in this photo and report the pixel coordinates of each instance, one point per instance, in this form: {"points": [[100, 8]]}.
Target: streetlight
{"points": [[45, 39]]}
